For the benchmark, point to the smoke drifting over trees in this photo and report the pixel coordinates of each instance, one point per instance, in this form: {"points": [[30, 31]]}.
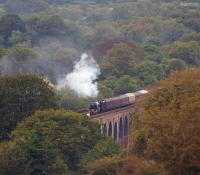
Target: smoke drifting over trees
{"points": [[52, 60], [83, 78]]}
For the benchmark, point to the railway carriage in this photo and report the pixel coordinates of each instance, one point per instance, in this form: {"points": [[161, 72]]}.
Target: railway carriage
{"points": [[115, 102]]}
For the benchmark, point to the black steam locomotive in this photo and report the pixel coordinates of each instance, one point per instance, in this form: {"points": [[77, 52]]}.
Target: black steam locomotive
{"points": [[115, 102]]}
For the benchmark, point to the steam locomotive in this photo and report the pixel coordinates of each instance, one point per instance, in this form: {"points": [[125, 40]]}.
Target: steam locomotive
{"points": [[115, 102]]}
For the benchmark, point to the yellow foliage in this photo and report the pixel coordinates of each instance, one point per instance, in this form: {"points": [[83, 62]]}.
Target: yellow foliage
{"points": [[139, 166], [104, 166], [169, 123]]}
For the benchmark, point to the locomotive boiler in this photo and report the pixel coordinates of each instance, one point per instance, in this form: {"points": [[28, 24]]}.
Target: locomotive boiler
{"points": [[115, 102]]}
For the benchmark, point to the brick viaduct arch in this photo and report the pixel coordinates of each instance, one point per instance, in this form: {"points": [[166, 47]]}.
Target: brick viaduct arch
{"points": [[117, 124]]}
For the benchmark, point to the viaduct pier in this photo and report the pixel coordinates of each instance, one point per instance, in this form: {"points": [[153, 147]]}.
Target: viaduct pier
{"points": [[116, 123]]}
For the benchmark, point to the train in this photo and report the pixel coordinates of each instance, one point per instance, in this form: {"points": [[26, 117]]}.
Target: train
{"points": [[108, 104]]}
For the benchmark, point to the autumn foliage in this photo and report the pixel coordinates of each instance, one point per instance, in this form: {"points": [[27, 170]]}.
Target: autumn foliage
{"points": [[168, 127]]}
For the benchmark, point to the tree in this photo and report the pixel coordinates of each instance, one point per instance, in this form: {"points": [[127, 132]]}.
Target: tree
{"points": [[191, 20], [1, 41], [168, 31], [20, 59], [153, 30], [35, 155], [100, 50], [20, 96], [121, 13], [69, 100], [139, 166], [146, 8], [2, 52], [104, 31], [168, 122], [104, 91], [119, 60], [73, 33], [148, 72], [60, 1], [187, 51], [57, 60], [9, 23], [100, 1], [52, 26], [105, 148], [46, 25], [133, 32], [193, 36], [106, 87], [28, 6], [117, 165], [109, 82], [174, 65], [152, 53], [51, 142], [104, 166], [125, 84], [16, 37]]}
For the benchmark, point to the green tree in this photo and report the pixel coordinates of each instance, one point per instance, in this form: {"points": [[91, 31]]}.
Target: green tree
{"points": [[125, 84], [152, 52], [119, 165], [18, 60], [50, 142], [193, 36], [148, 72], [1, 41], [52, 60], [104, 91], [9, 23], [34, 154], [106, 87], [52, 26], [73, 33], [104, 148], [104, 166], [2, 52], [121, 13], [187, 51], [153, 30], [174, 65], [68, 99], [133, 31], [119, 60], [28, 6], [60, 1], [109, 82], [168, 122], [167, 31], [46, 25], [16, 37], [20, 96], [104, 31], [191, 20]]}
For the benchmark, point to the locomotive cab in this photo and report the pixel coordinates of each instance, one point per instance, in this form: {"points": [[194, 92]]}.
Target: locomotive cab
{"points": [[94, 108]]}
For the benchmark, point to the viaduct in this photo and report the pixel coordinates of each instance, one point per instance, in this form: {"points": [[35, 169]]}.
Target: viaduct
{"points": [[116, 124]]}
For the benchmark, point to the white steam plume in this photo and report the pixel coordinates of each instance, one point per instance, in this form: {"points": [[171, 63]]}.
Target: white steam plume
{"points": [[82, 79]]}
